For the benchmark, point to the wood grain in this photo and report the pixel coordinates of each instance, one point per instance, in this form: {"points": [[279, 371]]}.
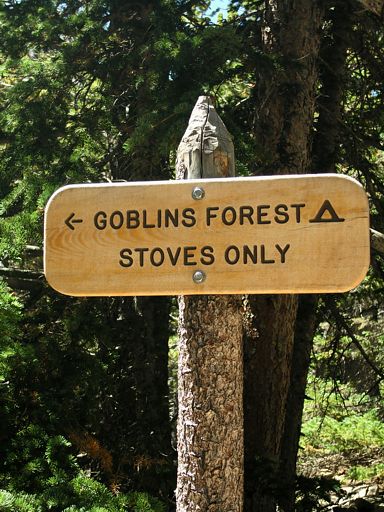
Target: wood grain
{"points": [[265, 235]]}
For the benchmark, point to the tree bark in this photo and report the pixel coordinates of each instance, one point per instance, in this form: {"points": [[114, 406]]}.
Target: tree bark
{"points": [[333, 54], [377, 241], [306, 322], [285, 103], [150, 373], [325, 155], [268, 356], [210, 375], [285, 95], [210, 425], [136, 427]]}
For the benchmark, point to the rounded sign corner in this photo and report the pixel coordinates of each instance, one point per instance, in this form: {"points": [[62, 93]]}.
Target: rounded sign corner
{"points": [[55, 195], [357, 281], [52, 284], [352, 181]]}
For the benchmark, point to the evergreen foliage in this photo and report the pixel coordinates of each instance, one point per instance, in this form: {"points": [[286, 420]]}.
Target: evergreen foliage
{"points": [[92, 92], [41, 473], [100, 91]]}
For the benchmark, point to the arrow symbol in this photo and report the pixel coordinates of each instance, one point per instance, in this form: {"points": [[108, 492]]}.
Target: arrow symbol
{"points": [[70, 221]]}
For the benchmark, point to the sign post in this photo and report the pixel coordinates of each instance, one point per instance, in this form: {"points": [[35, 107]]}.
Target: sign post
{"points": [[210, 423]]}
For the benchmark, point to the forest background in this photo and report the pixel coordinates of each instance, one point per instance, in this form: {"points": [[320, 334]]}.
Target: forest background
{"points": [[99, 91]]}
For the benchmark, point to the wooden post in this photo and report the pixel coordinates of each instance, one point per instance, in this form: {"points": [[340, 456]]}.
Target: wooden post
{"points": [[210, 423]]}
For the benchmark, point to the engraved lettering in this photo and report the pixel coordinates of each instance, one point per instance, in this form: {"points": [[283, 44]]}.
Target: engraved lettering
{"points": [[189, 254], [328, 210], [263, 258], [261, 214], [141, 251], [189, 218], [116, 220], [146, 224], [282, 251], [100, 220], [282, 216], [298, 208], [232, 255], [246, 212], [207, 256], [210, 214], [171, 217], [156, 257], [248, 253], [126, 259], [133, 219], [230, 219], [174, 257]]}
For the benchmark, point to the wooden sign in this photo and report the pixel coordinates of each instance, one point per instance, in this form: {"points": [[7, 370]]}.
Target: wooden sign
{"points": [[285, 234]]}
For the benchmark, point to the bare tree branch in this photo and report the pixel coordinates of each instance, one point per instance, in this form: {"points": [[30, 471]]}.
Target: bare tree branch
{"points": [[19, 273], [33, 250], [343, 324], [21, 279], [375, 6], [377, 241]]}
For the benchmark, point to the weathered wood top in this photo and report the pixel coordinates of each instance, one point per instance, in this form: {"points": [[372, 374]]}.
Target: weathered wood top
{"points": [[206, 149]]}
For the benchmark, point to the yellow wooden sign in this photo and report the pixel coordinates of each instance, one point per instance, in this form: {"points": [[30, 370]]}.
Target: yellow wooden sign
{"points": [[285, 234]]}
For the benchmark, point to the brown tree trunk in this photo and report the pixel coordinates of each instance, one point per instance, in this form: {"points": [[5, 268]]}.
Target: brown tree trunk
{"points": [[333, 54], [301, 357], [210, 374], [285, 103], [268, 364], [150, 369], [285, 95], [210, 433], [136, 428]]}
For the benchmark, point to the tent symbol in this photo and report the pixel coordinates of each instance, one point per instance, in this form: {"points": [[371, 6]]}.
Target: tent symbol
{"points": [[327, 213]]}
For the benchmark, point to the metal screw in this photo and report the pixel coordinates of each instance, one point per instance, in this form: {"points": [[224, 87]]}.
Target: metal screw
{"points": [[198, 193], [199, 276]]}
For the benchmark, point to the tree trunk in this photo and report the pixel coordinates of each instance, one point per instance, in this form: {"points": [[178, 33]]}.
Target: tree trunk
{"points": [[301, 357], [210, 425], [136, 428], [268, 362], [325, 156], [150, 367], [285, 103], [333, 54], [210, 422]]}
